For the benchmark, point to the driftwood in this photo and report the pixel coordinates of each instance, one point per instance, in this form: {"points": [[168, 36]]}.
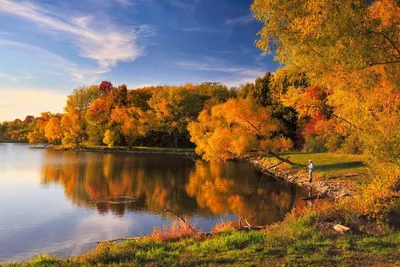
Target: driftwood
{"points": [[120, 239], [180, 217], [341, 229], [248, 226]]}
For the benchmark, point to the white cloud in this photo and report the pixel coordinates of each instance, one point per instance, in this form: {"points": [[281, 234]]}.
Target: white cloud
{"points": [[197, 29], [15, 78], [8, 77], [97, 39], [124, 2], [237, 75], [18, 103], [240, 20], [189, 5], [59, 64]]}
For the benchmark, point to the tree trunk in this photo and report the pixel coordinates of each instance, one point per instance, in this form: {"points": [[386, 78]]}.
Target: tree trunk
{"points": [[175, 134]]}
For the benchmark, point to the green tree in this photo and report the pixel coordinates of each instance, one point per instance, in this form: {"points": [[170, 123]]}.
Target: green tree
{"points": [[82, 97], [174, 107]]}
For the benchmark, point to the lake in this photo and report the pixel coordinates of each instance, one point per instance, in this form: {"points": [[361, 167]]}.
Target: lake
{"points": [[54, 202]]}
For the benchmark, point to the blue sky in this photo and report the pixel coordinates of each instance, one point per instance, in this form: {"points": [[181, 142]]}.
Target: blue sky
{"points": [[50, 47]]}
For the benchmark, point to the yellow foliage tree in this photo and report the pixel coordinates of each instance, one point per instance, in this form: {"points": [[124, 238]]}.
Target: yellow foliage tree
{"points": [[235, 129], [132, 121], [72, 128], [52, 131], [109, 138]]}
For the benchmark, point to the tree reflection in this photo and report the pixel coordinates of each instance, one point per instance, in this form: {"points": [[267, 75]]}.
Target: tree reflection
{"points": [[155, 181], [232, 188]]}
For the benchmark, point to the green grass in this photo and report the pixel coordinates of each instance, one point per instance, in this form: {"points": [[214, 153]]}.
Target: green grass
{"points": [[296, 242], [330, 165]]}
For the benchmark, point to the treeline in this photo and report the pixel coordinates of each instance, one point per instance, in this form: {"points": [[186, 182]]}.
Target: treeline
{"points": [[152, 116], [274, 113]]}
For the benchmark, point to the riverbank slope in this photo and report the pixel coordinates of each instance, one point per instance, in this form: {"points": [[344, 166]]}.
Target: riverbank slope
{"points": [[335, 175], [299, 240]]}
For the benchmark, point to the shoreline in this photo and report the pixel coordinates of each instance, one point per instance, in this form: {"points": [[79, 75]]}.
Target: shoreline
{"points": [[325, 189], [137, 150]]}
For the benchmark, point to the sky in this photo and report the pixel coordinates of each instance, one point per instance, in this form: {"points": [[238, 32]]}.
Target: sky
{"points": [[50, 47]]}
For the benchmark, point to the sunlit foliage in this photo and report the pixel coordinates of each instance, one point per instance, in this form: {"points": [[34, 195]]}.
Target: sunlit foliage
{"points": [[234, 129]]}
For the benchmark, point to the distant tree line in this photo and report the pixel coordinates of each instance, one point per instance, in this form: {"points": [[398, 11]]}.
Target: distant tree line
{"points": [[276, 112]]}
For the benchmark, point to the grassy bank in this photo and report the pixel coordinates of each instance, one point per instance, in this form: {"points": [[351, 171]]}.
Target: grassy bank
{"points": [[135, 149], [329, 166], [297, 241]]}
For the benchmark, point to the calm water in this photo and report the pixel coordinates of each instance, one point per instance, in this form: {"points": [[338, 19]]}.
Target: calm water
{"points": [[50, 200]]}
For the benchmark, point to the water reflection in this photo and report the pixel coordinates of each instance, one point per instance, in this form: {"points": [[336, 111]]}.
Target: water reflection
{"points": [[189, 188]]}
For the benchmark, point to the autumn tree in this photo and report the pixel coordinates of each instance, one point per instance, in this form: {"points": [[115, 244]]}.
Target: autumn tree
{"points": [[72, 127], [82, 97], [105, 87], [52, 130], [174, 106], [235, 129], [97, 117], [37, 134], [351, 47], [109, 138], [132, 121], [140, 97]]}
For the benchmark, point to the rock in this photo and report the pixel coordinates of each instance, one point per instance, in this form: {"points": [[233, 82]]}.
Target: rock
{"points": [[341, 229]]}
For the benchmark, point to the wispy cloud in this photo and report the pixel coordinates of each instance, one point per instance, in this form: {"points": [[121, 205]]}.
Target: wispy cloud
{"points": [[59, 64], [96, 39], [237, 75], [189, 5], [15, 78], [124, 2], [240, 20], [198, 29]]}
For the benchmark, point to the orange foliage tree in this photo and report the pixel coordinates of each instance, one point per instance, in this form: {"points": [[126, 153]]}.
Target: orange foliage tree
{"points": [[133, 122], [52, 131], [235, 129]]}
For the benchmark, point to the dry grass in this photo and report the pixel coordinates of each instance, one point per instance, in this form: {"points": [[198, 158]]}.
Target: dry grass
{"points": [[224, 226], [175, 231]]}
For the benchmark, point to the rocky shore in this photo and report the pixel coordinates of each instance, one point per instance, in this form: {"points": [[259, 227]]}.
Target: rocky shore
{"points": [[324, 189]]}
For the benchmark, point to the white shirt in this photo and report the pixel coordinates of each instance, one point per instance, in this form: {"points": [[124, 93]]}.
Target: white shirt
{"points": [[311, 167]]}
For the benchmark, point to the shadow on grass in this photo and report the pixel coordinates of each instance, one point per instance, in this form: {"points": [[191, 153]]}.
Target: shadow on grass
{"points": [[339, 166]]}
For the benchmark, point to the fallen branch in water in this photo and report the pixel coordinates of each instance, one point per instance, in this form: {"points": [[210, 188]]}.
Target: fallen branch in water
{"points": [[180, 217], [248, 226], [281, 159], [120, 239], [276, 165]]}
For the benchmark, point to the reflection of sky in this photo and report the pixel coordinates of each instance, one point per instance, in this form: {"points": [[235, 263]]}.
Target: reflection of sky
{"points": [[36, 219]]}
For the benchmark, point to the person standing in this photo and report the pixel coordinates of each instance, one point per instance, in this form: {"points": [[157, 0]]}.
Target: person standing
{"points": [[310, 170]]}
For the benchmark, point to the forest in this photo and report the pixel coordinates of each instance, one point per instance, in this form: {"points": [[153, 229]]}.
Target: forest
{"points": [[178, 116]]}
